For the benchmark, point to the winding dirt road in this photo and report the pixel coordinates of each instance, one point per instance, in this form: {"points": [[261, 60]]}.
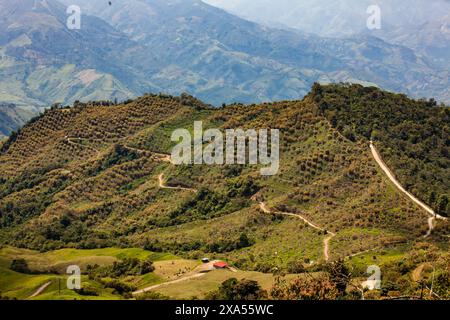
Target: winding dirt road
{"points": [[158, 156], [326, 241], [391, 177]]}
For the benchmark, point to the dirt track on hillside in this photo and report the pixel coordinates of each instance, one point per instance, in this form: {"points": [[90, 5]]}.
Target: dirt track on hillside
{"points": [[326, 241], [391, 177]]}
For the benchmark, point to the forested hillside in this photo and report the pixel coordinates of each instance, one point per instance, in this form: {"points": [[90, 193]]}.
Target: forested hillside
{"points": [[96, 175], [99, 175], [413, 135], [128, 48]]}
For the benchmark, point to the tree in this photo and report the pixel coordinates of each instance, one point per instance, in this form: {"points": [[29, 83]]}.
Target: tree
{"points": [[432, 198], [340, 275], [296, 266], [442, 205], [147, 267], [233, 289], [307, 288], [20, 265], [244, 241]]}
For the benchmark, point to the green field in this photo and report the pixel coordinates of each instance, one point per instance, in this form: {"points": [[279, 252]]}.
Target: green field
{"points": [[167, 268], [22, 286]]}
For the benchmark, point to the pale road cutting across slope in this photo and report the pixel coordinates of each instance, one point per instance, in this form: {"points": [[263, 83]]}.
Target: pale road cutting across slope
{"points": [[40, 289], [391, 176], [326, 241]]}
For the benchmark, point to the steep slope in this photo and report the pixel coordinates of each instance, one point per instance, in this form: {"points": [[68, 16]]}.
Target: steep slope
{"points": [[412, 135], [222, 58], [138, 46], [13, 117], [420, 24], [43, 62], [50, 63], [94, 176]]}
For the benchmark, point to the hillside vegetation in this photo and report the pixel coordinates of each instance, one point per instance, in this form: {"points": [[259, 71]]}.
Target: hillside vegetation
{"points": [[94, 176], [413, 135], [190, 46]]}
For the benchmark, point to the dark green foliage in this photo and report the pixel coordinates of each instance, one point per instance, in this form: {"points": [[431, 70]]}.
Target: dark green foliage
{"points": [[27, 180], [441, 285], [12, 213], [20, 265], [339, 275], [126, 267], [233, 289], [296, 267], [232, 170], [119, 155], [243, 188], [412, 135], [120, 287], [87, 291], [228, 245], [443, 206], [206, 205]]}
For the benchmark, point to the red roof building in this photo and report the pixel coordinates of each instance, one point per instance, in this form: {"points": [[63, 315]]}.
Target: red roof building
{"points": [[220, 265]]}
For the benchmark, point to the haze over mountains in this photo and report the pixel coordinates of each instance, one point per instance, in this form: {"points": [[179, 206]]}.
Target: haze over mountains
{"points": [[419, 24], [131, 47]]}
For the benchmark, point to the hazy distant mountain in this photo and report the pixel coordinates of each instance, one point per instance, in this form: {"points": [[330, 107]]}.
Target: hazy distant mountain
{"points": [[336, 17], [423, 25], [431, 38], [135, 46], [12, 117], [221, 58], [43, 62]]}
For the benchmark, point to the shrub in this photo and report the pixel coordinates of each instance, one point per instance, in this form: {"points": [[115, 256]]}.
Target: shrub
{"points": [[126, 267], [309, 288], [233, 289], [151, 295], [20, 265]]}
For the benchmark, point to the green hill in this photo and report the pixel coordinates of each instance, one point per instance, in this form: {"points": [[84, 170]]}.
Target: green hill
{"points": [[94, 176]]}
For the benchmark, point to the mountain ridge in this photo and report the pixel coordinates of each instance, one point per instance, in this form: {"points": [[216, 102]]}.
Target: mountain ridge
{"points": [[190, 47]]}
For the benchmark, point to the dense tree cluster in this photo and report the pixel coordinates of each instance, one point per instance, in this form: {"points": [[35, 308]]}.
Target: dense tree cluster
{"points": [[233, 289]]}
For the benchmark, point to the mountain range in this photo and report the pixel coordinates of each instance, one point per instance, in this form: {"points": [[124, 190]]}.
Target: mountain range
{"points": [[131, 47], [421, 25]]}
